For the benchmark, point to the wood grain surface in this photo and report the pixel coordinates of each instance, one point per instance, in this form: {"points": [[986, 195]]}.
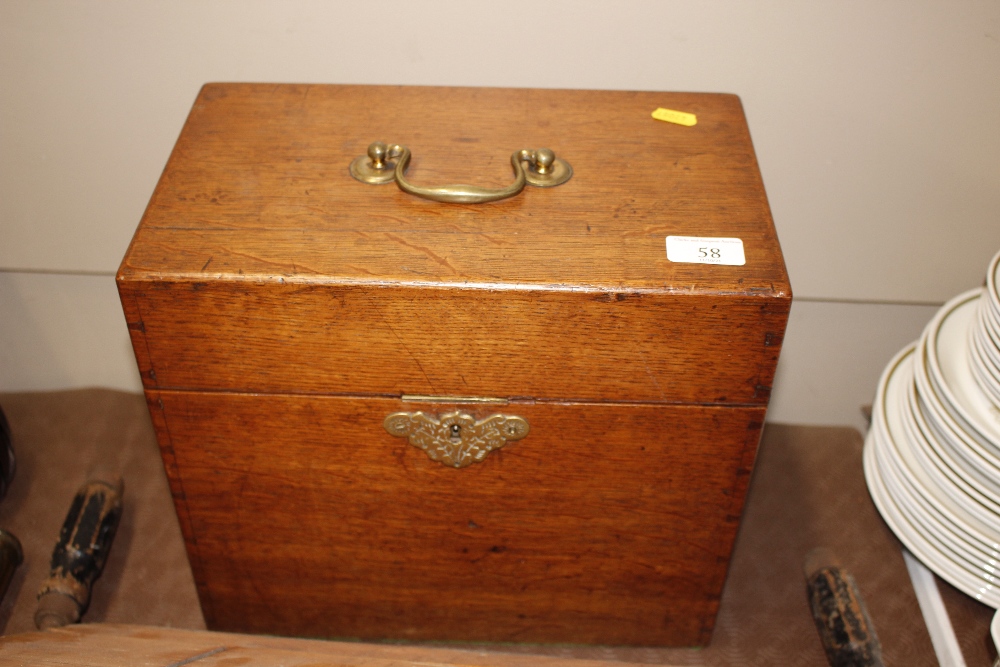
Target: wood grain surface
{"points": [[279, 309], [258, 188], [358, 339], [111, 645], [607, 524], [261, 265]]}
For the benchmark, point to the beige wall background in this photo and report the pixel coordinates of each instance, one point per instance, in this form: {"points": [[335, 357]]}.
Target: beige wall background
{"points": [[877, 128]]}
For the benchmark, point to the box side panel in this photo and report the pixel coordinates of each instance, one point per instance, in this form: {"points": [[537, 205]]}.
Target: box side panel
{"points": [[737, 499], [390, 340], [606, 524], [156, 412], [137, 333]]}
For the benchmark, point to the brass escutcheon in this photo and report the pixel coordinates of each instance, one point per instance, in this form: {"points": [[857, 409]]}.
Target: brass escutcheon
{"points": [[544, 170], [456, 439]]}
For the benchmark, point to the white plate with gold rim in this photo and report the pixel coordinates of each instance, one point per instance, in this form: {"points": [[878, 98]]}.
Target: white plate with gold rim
{"points": [[941, 408], [946, 540], [946, 356], [942, 473], [966, 553], [962, 464], [943, 477], [958, 448], [984, 360], [978, 588], [992, 282], [989, 323], [889, 409], [983, 371], [988, 327]]}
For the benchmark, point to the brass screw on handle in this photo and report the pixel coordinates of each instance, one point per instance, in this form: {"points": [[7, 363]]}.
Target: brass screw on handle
{"points": [[377, 153], [544, 159]]}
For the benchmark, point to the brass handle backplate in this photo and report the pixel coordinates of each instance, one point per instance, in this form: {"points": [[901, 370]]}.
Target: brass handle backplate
{"points": [[456, 439], [384, 164]]}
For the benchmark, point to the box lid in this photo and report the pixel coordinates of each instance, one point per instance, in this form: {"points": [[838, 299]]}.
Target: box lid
{"points": [[256, 198]]}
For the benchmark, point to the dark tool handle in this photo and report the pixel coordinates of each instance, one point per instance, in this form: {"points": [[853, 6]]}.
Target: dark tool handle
{"points": [[845, 629], [80, 554], [11, 556], [7, 463]]}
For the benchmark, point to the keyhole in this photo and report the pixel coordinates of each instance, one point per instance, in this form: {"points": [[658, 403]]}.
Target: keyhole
{"points": [[456, 433]]}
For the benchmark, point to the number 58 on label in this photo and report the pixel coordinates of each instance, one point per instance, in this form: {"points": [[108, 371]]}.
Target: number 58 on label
{"points": [[705, 250]]}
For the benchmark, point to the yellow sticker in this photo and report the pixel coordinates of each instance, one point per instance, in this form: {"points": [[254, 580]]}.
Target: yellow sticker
{"points": [[677, 117]]}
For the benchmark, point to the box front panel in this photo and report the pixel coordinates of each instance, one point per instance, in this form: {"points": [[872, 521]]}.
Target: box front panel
{"points": [[605, 524]]}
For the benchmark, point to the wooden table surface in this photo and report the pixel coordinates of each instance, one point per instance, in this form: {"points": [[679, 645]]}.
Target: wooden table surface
{"points": [[112, 645]]}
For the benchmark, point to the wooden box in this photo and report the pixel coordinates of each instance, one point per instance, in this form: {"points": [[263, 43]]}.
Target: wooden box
{"points": [[610, 400]]}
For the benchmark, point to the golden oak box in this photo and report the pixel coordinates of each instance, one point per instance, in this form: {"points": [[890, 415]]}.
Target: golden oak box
{"points": [[386, 416]]}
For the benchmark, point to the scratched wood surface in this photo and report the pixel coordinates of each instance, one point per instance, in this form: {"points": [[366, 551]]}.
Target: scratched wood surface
{"points": [[606, 524], [258, 187], [110, 645], [382, 340], [278, 310]]}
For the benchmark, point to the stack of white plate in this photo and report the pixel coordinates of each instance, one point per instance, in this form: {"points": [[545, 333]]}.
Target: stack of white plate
{"points": [[984, 338], [932, 456]]}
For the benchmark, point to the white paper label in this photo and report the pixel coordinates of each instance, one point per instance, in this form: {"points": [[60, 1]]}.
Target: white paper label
{"points": [[705, 250]]}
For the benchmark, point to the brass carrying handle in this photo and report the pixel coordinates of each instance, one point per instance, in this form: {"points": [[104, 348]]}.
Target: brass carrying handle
{"points": [[544, 170]]}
